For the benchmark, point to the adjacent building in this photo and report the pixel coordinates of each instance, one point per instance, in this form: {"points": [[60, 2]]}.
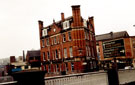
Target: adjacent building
{"points": [[115, 45], [68, 45], [17, 64], [33, 58]]}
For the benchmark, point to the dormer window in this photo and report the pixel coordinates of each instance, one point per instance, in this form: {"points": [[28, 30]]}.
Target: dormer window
{"points": [[66, 25], [85, 23], [44, 32], [54, 30]]}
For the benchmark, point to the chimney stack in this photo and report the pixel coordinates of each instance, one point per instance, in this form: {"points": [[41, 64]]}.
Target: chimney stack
{"points": [[23, 56], [62, 16], [40, 23], [76, 16], [91, 21], [12, 59]]}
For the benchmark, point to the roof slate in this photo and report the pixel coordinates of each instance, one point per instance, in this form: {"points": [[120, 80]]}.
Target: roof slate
{"points": [[112, 35], [33, 53]]}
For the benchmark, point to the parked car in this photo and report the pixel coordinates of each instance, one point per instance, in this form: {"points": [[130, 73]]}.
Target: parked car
{"points": [[128, 67]]}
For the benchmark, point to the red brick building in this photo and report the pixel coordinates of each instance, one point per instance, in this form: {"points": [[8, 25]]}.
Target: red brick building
{"points": [[68, 45], [33, 58], [117, 45]]}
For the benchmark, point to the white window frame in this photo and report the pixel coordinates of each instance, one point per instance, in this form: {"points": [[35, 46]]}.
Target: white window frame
{"points": [[52, 40], [44, 67], [43, 56], [65, 52], [69, 36], [60, 67], [49, 68], [66, 67], [64, 37], [48, 55], [72, 67], [84, 35], [47, 41], [44, 32], [92, 52], [43, 43], [71, 52], [58, 39], [85, 23], [55, 40], [53, 55], [56, 54], [59, 55], [57, 67], [89, 51], [66, 25]]}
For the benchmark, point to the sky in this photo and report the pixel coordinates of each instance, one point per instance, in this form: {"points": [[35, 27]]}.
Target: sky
{"points": [[19, 20]]}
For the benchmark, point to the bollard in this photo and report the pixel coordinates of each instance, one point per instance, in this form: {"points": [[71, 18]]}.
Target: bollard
{"points": [[113, 78]]}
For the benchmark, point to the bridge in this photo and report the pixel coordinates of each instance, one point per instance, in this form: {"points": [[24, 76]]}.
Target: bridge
{"points": [[92, 78]]}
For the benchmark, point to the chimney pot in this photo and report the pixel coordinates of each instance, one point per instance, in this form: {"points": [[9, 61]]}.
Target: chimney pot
{"points": [[40, 24], [62, 16]]}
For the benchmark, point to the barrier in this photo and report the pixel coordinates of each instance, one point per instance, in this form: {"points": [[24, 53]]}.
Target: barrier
{"points": [[93, 78]]}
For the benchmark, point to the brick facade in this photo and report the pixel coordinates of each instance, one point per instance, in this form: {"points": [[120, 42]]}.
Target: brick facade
{"points": [[124, 57], [68, 45]]}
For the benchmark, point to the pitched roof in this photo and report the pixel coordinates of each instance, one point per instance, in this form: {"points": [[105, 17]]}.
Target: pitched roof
{"points": [[33, 53], [112, 35]]}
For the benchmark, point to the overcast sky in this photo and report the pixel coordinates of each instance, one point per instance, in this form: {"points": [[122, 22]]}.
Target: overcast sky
{"points": [[19, 20]]}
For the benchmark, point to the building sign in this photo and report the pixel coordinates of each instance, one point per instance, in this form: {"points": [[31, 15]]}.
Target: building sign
{"points": [[114, 48]]}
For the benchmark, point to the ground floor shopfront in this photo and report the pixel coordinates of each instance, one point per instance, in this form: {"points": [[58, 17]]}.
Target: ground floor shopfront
{"points": [[121, 63], [69, 66]]}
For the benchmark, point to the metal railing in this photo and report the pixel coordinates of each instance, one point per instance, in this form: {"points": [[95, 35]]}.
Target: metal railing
{"points": [[93, 78], [126, 76], [9, 83]]}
